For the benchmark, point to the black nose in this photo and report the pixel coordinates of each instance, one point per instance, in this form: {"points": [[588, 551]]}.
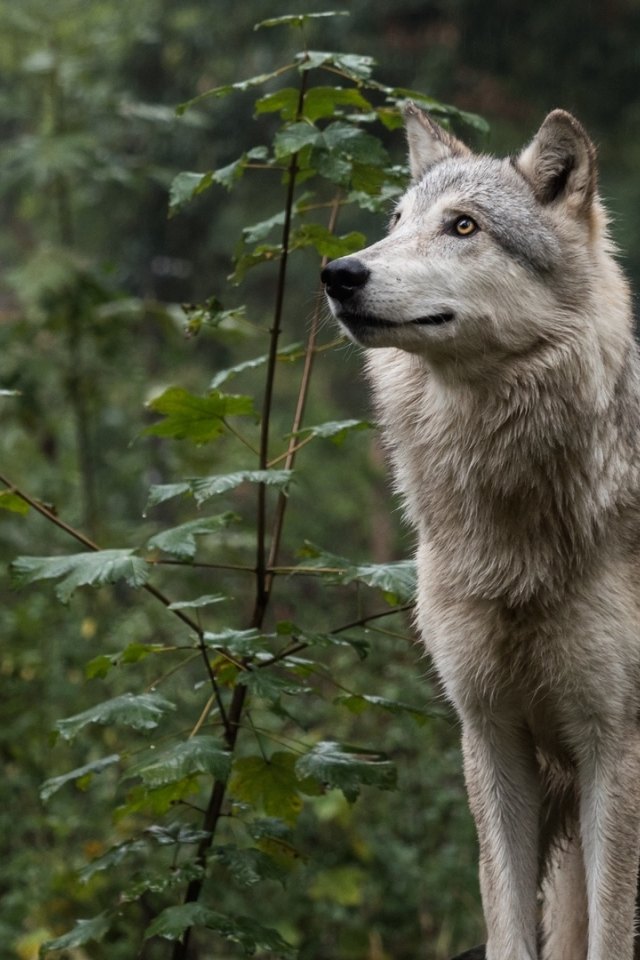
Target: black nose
{"points": [[343, 277]]}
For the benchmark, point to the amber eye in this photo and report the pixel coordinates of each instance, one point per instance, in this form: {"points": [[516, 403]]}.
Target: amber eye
{"points": [[465, 226]]}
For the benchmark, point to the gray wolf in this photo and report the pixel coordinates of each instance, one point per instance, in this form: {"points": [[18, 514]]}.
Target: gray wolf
{"points": [[498, 336]]}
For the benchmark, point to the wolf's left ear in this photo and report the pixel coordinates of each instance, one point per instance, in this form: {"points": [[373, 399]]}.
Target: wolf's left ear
{"points": [[560, 163], [428, 142]]}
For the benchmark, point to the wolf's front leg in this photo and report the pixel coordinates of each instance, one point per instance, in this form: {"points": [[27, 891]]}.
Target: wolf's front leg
{"points": [[610, 822], [502, 781]]}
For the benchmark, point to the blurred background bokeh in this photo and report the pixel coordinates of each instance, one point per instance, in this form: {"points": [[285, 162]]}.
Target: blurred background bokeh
{"points": [[92, 275]]}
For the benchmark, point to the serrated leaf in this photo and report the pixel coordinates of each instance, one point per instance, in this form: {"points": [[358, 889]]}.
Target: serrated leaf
{"points": [[315, 639], [334, 430], [206, 487], [261, 230], [180, 541], [299, 19], [185, 186], [159, 882], [200, 419], [327, 244], [294, 138], [320, 102], [269, 827], [397, 580], [81, 569], [265, 683], [202, 754], [84, 932], [251, 936], [133, 653], [176, 833], [287, 353], [112, 858], [357, 703], [14, 503], [248, 866], [355, 67], [203, 488], [241, 643], [51, 786], [355, 143], [158, 801], [142, 712], [270, 785], [347, 768], [285, 101], [241, 86], [263, 253], [207, 601]]}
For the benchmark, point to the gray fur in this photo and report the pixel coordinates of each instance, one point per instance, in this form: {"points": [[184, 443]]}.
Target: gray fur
{"points": [[513, 424]]}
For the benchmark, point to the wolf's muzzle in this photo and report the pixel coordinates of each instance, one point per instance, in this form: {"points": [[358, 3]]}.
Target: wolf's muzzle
{"points": [[343, 277]]}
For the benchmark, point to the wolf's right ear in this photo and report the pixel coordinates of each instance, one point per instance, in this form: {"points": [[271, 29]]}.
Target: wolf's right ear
{"points": [[428, 142], [560, 163]]}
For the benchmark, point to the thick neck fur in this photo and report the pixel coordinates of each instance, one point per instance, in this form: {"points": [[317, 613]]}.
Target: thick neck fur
{"points": [[514, 478]]}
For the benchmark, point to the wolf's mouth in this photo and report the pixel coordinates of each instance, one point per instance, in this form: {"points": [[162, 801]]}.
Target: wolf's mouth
{"points": [[368, 320]]}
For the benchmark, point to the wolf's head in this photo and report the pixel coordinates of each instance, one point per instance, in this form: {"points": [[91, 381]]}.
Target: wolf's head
{"points": [[485, 258]]}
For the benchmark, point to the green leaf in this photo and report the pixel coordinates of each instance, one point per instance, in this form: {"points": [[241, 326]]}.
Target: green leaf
{"points": [[166, 491], [142, 712], [355, 67], [206, 601], [326, 243], [334, 430], [241, 643], [133, 653], [322, 102], [14, 503], [299, 19], [248, 866], [180, 541], [241, 86], [211, 314], [202, 754], [269, 785], [159, 882], [176, 833], [84, 932], [251, 936], [265, 683], [358, 703], [206, 487], [264, 253], [347, 768], [185, 186], [195, 418], [293, 138], [397, 580], [261, 230], [112, 858], [314, 639], [203, 488], [51, 786], [158, 801], [355, 143], [81, 569], [287, 354], [285, 101]]}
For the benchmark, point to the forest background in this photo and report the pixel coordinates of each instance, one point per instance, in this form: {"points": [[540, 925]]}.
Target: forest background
{"points": [[340, 829]]}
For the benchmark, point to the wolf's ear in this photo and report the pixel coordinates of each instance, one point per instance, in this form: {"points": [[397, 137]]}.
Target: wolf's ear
{"points": [[560, 162], [428, 142]]}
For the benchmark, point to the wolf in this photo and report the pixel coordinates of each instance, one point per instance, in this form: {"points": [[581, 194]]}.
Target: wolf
{"points": [[499, 346]]}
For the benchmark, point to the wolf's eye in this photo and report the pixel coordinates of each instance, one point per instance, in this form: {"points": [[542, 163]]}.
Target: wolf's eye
{"points": [[395, 217], [464, 226]]}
